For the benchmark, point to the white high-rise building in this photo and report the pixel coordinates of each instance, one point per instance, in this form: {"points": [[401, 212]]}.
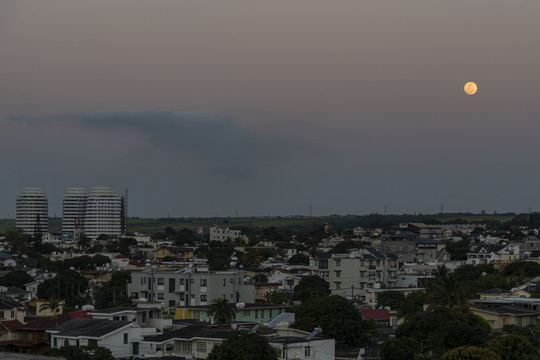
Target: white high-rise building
{"points": [[105, 213], [73, 212], [32, 204]]}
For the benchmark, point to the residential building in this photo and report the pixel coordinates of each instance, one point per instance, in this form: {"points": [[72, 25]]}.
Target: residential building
{"points": [[123, 338], [176, 252], [188, 288], [351, 274], [499, 255], [220, 234], [73, 212], [244, 312], [104, 213], [32, 204], [498, 312], [303, 348], [429, 250]]}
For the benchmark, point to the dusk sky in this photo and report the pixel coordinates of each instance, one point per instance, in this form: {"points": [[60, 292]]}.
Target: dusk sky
{"points": [[200, 108]]}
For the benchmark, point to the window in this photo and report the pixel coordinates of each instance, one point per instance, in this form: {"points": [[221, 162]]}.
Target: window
{"points": [[187, 348], [245, 313], [203, 282], [133, 294], [256, 314], [142, 281], [323, 264], [181, 282], [270, 313], [172, 285], [182, 297], [135, 348], [161, 281], [160, 296], [171, 303], [30, 336], [338, 273], [45, 335], [92, 342], [338, 262], [224, 282], [125, 338], [193, 296], [201, 346], [12, 314], [203, 298], [338, 285], [307, 351], [55, 342], [66, 342]]}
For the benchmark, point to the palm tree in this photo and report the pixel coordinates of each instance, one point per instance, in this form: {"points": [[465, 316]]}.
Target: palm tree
{"points": [[54, 306], [84, 243], [447, 290], [222, 311]]}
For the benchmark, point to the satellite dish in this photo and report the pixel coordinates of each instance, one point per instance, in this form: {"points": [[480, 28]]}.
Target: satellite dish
{"points": [[234, 326]]}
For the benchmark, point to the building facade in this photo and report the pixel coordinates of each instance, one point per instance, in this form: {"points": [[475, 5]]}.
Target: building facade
{"points": [[351, 275], [73, 212], [186, 288], [32, 210], [219, 234], [104, 213]]}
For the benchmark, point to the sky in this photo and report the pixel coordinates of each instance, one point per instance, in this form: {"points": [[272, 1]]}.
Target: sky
{"points": [[256, 108]]}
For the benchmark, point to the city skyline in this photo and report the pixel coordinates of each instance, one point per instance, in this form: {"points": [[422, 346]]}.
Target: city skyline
{"points": [[205, 109]]}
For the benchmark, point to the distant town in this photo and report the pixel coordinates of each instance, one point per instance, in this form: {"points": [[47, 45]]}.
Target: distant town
{"points": [[98, 284]]}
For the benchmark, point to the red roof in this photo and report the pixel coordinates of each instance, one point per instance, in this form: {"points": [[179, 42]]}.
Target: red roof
{"points": [[120, 257], [378, 314], [12, 324]]}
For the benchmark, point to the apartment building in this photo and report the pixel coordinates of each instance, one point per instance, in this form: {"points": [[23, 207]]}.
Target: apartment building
{"points": [[220, 234], [32, 210], [188, 288], [351, 274]]}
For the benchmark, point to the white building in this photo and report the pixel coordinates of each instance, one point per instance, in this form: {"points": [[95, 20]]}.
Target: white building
{"points": [[32, 204], [73, 211], [105, 213], [219, 234]]}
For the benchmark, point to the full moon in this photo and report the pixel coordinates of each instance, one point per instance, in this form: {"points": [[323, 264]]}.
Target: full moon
{"points": [[470, 88]]}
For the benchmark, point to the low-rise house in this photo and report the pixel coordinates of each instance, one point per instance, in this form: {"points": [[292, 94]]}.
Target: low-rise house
{"points": [[498, 312], [176, 252], [11, 310], [244, 312], [428, 250], [262, 289], [499, 255], [145, 314], [123, 338]]}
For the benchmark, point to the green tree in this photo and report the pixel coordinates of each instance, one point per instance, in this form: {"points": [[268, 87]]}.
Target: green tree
{"points": [[447, 290], [84, 243], [276, 297], [222, 311], [16, 278], [311, 286], [99, 260], [337, 317], [251, 258], [512, 347], [37, 237], [299, 259], [54, 306], [399, 349], [17, 241], [458, 249], [343, 246], [469, 353], [68, 285], [246, 346], [82, 353], [441, 329], [260, 278], [114, 293]]}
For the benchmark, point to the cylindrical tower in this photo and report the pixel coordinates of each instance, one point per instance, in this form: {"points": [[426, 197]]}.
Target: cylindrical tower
{"points": [[104, 213], [32, 204], [73, 212]]}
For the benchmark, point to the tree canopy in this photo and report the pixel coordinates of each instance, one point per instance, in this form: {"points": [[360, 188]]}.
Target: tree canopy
{"points": [[311, 286], [222, 311], [442, 329], [16, 278], [337, 317], [470, 353], [246, 346], [512, 347]]}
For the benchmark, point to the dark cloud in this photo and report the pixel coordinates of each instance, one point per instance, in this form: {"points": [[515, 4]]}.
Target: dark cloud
{"points": [[213, 141]]}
